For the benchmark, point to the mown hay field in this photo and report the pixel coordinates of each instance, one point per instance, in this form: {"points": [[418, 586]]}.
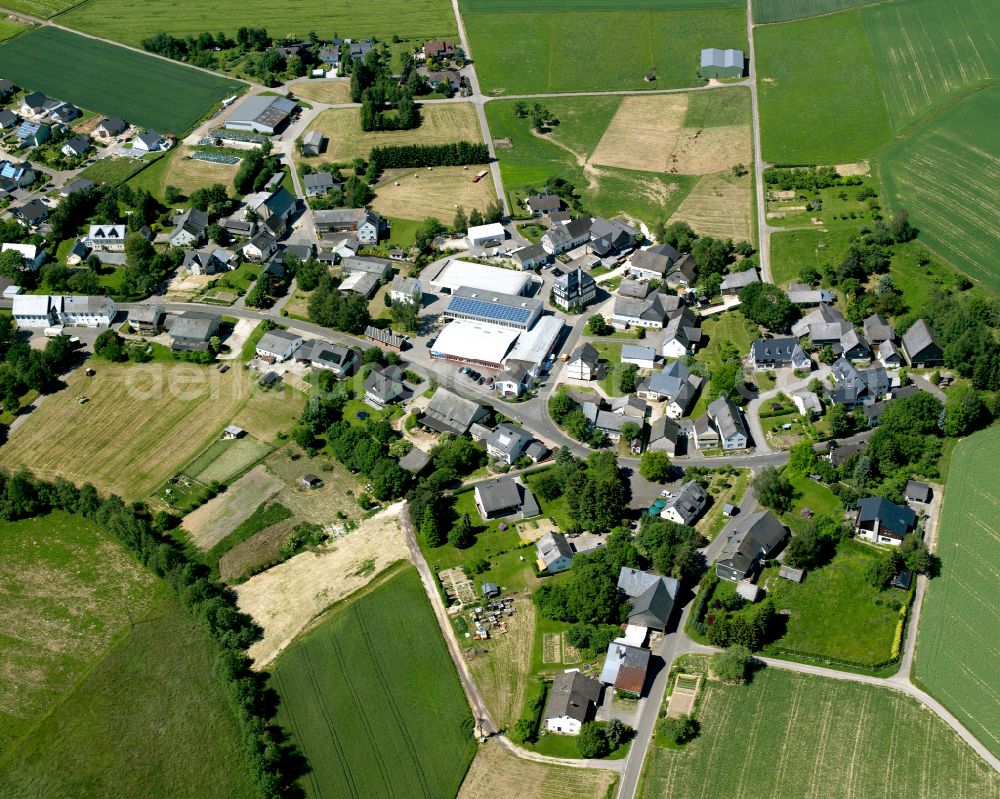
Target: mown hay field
{"points": [[438, 192], [498, 774], [558, 46], [947, 175], [441, 124], [141, 424], [66, 587], [144, 90], [373, 701], [324, 90], [958, 656], [819, 738], [148, 719], [820, 99], [927, 52], [719, 205], [39, 8], [131, 21]]}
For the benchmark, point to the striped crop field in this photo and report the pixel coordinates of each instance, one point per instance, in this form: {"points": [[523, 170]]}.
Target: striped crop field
{"points": [[947, 174], [372, 699], [958, 652], [765, 11], [927, 51], [796, 736]]}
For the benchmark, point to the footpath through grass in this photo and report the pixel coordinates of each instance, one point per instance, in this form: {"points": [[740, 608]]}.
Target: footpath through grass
{"points": [[956, 658], [788, 736], [148, 721], [372, 699]]}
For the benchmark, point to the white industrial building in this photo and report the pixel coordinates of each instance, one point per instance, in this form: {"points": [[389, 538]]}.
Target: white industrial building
{"points": [[455, 274], [474, 343], [44, 310], [480, 234]]}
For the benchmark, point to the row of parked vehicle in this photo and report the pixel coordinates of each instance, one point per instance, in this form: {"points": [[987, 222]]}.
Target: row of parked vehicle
{"points": [[475, 377]]}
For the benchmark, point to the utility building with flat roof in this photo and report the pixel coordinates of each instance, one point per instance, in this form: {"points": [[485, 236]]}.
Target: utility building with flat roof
{"points": [[261, 114], [474, 343], [458, 274]]}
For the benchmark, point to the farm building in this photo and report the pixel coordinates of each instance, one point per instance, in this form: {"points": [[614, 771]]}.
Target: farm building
{"points": [[449, 413], [312, 143], [231, 432], [364, 222], [755, 539], [572, 700], [261, 114], [385, 337], [381, 268], [716, 63], [360, 283], [625, 667], [192, 330], [474, 343], [734, 283], [920, 346], [456, 274], [643, 357], [495, 308], [479, 235]]}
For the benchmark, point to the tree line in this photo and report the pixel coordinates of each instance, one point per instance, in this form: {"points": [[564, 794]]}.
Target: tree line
{"points": [[808, 178], [207, 601], [23, 369], [461, 153]]}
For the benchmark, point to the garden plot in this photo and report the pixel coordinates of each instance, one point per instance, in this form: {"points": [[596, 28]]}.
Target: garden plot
{"points": [[552, 648], [226, 459], [701, 151], [683, 697], [457, 587], [218, 517], [283, 600], [256, 551]]}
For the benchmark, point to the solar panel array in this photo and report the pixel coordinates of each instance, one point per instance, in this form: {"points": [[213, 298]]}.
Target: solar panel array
{"points": [[489, 310]]}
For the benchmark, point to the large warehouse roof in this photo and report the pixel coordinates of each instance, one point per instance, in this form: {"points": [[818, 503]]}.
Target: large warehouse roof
{"points": [[456, 274], [474, 341], [535, 344], [511, 310]]}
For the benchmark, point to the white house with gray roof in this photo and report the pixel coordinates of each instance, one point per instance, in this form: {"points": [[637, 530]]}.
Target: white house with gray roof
{"points": [[507, 443], [555, 554], [685, 504], [278, 344], [571, 703]]}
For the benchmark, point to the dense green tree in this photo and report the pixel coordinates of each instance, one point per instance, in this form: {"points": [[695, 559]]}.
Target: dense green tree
{"points": [[591, 742], [964, 411], [731, 664], [678, 729], [655, 466], [773, 490], [766, 304]]}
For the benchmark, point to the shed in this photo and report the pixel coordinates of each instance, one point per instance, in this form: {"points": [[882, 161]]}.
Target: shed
{"points": [[310, 481], [917, 492], [795, 575], [490, 590], [749, 591], [231, 432]]}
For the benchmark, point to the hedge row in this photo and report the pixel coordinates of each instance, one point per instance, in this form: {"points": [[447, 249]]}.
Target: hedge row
{"points": [[408, 156]]}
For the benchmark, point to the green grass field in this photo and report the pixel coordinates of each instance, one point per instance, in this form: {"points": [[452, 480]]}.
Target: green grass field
{"points": [[765, 11], [39, 8], [372, 699], [956, 656], [605, 190], [67, 589], [145, 91], [793, 249], [559, 46], [131, 21], [928, 52], [9, 29], [113, 171], [820, 100], [947, 174], [147, 720], [788, 736]]}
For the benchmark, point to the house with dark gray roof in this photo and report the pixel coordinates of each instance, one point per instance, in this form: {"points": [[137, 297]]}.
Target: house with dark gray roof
{"points": [[664, 435], [190, 228], [880, 521], [755, 539], [634, 289], [853, 347], [574, 289], [384, 386], [727, 421], [192, 330], [323, 355], [650, 313], [540, 204], [921, 348], [572, 700], [565, 237], [771, 353], [853, 386], [319, 184], [648, 265], [685, 504], [877, 330], [532, 255], [503, 497], [583, 363], [824, 325], [735, 282], [611, 236]]}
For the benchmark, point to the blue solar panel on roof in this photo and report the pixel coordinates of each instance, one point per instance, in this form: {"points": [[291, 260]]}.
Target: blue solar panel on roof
{"points": [[489, 310]]}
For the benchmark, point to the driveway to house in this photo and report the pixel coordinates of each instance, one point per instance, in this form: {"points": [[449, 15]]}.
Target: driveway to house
{"points": [[763, 229]]}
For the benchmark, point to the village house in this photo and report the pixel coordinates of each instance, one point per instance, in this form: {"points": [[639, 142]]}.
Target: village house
{"points": [[149, 141], [384, 386], [605, 421], [878, 330], [681, 336], [916, 491], [335, 358], [807, 403], [31, 215], [503, 497], [647, 265], [733, 283], [406, 289], [664, 435], [574, 289], [889, 355], [625, 668], [319, 184], [566, 237], [771, 353], [109, 127], [554, 553], [643, 357], [8, 119], [571, 703], [853, 386], [824, 325], [192, 331], [261, 246], [540, 204], [880, 521], [583, 364], [278, 345], [756, 539], [76, 147], [43, 310], [439, 49], [921, 348], [33, 255], [685, 504], [507, 443], [650, 313], [365, 223], [189, 229], [106, 238], [853, 347], [651, 597], [147, 320], [629, 405], [721, 426], [531, 256], [447, 412], [674, 384]]}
